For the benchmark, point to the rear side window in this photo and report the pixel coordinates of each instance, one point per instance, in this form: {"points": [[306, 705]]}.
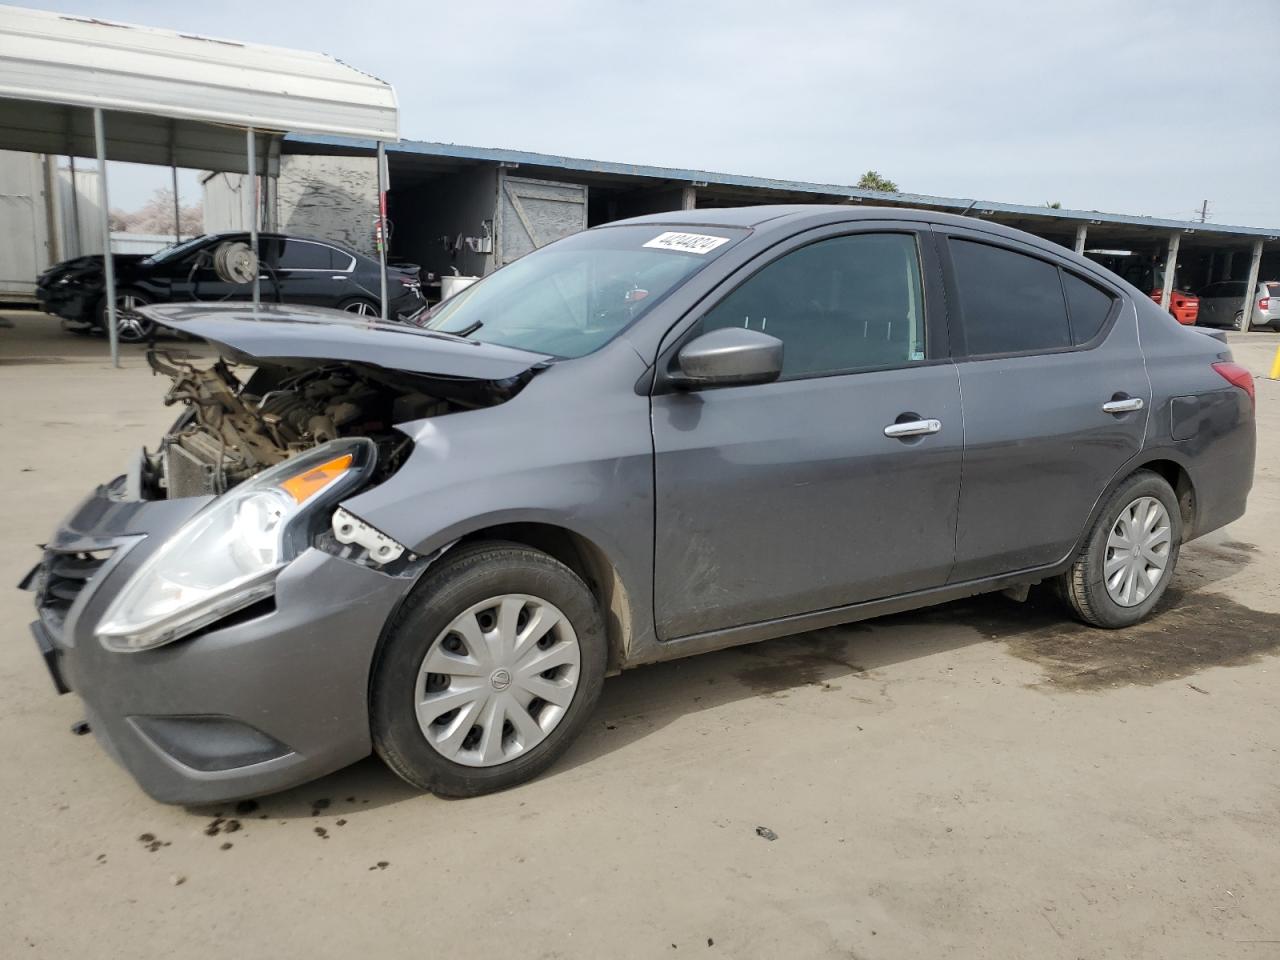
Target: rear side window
{"points": [[1088, 305], [1011, 303], [1273, 289], [301, 255]]}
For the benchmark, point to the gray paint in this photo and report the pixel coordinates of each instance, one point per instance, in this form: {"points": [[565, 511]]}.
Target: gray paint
{"points": [[779, 507]]}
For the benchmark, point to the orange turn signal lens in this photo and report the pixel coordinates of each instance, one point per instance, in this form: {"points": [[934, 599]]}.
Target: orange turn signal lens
{"points": [[305, 485]]}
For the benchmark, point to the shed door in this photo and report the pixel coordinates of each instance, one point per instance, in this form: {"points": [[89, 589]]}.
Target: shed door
{"points": [[533, 213]]}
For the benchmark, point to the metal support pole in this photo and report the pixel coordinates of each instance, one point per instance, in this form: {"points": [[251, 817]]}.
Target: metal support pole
{"points": [[1170, 267], [382, 223], [251, 192], [689, 198], [76, 250], [1226, 267], [177, 209], [1251, 288], [108, 265], [1082, 231]]}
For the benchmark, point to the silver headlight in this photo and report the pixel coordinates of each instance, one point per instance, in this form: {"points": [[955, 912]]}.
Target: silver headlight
{"points": [[228, 555]]}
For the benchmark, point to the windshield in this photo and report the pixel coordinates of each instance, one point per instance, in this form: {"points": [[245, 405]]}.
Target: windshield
{"points": [[174, 250], [577, 294]]}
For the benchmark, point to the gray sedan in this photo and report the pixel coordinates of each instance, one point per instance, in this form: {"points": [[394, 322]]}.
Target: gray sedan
{"points": [[649, 440], [1222, 305]]}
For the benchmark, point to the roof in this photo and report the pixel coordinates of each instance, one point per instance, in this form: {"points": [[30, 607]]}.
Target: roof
{"points": [[162, 87], [764, 187]]}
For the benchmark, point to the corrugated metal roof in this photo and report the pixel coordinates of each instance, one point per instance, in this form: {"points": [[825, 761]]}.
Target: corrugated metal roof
{"points": [[49, 58], [1068, 218]]}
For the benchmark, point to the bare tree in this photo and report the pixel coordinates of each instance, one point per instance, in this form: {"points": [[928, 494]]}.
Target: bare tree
{"points": [[156, 216]]}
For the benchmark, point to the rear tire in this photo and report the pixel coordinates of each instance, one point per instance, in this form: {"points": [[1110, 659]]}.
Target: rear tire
{"points": [[361, 307], [1126, 563], [439, 629]]}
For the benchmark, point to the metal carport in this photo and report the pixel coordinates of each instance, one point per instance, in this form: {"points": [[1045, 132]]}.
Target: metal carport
{"points": [[83, 86]]}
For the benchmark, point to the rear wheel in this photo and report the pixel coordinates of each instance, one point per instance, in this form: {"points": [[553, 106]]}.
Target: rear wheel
{"points": [[1129, 557], [489, 671], [362, 308]]}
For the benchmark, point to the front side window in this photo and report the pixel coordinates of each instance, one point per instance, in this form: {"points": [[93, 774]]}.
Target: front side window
{"points": [[838, 305], [1011, 303], [575, 295]]}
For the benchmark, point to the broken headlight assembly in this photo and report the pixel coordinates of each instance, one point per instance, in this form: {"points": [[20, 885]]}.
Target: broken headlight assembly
{"points": [[228, 555]]}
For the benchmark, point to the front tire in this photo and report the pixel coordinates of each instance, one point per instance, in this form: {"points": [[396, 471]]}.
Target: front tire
{"points": [[1129, 556], [132, 326], [488, 672]]}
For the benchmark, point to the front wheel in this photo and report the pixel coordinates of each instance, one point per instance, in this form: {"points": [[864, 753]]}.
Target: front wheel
{"points": [[131, 326], [488, 672], [1129, 557]]}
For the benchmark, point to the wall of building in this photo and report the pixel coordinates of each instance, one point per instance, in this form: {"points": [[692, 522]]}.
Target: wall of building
{"points": [[430, 223], [331, 198]]}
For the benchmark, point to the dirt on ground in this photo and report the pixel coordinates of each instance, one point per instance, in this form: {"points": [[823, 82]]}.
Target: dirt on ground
{"points": [[983, 779]]}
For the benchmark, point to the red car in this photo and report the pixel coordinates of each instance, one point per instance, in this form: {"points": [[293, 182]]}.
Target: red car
{"points": [[1185, 307]]}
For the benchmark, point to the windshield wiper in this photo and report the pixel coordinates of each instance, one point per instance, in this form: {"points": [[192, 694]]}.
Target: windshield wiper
{"points": [[469, 330]]}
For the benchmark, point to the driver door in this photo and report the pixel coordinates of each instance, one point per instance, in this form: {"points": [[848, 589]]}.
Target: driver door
{"points": [[784, 498]]}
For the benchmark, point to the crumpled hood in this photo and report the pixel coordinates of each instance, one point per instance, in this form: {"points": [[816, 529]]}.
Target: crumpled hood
{"points": [[294, 332]]}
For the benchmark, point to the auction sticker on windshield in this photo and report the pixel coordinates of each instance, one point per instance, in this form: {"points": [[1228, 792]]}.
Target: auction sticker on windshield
{"points": [[699, 243]]}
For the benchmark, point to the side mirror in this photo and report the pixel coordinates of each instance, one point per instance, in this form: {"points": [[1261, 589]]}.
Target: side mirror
{"points": [[728, 357]]}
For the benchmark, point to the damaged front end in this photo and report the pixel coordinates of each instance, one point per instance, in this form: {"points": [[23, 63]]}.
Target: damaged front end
{"points": [[185, 601]]}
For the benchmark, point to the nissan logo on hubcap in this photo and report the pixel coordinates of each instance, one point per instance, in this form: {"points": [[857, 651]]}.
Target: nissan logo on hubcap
{"points": [[500, 680]]}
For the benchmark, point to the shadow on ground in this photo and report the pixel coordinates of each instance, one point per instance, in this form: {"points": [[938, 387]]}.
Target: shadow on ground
{"points": [[1191, 630]]}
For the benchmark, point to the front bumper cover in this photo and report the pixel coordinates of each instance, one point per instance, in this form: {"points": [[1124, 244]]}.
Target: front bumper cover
{"points": [[264, 700]]}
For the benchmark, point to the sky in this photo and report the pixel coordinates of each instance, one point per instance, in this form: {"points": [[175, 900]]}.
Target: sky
{"points": [[1132, 107]]}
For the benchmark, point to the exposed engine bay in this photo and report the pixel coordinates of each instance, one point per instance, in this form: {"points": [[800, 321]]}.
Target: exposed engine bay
{"points": [[233, 430]]}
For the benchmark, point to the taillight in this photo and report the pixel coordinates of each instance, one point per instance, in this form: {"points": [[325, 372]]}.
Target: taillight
{"points": [[1264, 303], [1237, 376]]}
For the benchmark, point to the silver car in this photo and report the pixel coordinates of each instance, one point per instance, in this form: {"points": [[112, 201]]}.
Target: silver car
{"points": [[645, 441], [1222, 305]]}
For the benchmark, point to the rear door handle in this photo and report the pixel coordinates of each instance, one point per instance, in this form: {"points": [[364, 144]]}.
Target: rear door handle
{"points": [[1126, 405], [912, 428]]}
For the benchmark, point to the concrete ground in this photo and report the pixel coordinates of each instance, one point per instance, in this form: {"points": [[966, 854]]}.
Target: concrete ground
{"points": [[984, 779]]}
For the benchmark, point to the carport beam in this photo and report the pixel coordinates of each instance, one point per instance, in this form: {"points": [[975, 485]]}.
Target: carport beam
{"points": [[1170, 267], [108, 263], [1082, 231], [1251, 288]]}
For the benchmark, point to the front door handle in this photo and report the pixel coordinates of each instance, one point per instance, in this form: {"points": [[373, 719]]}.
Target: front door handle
{"points": [[912, 428], [1123, 405]]}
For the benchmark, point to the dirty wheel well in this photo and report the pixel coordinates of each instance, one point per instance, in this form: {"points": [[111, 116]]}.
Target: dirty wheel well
{"points": [[1177, 477], [585, 559]]}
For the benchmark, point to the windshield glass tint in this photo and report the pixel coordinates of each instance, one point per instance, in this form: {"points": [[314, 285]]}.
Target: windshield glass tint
{"points": [[174, 250], [577, 294]]}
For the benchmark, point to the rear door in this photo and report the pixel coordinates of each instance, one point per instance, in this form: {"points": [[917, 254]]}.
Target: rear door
{"points": [[1056, 398], [308, 272], [789, 497]]}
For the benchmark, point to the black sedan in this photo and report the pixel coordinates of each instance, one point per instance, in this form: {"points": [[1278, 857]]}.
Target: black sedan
{"points": [[293, 270]]}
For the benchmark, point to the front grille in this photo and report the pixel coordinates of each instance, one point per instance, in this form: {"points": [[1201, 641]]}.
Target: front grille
{"points": [[62, 577]]}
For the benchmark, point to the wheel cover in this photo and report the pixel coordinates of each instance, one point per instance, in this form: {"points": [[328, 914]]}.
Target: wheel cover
{"points": [[497, 680], [1137, 555], [131, 325]]}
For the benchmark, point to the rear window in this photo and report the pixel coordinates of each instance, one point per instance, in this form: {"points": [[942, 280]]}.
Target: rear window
{"points": [[1088, 305], [1273, 289], [1011, 303]]}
